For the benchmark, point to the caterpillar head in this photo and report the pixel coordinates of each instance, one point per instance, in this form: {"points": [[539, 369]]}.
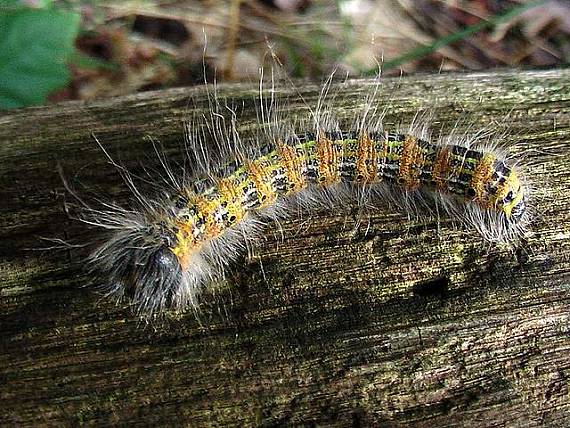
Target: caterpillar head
{"points": [[137, 263]]}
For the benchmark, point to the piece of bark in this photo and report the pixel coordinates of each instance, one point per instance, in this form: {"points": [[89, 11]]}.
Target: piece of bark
{"points": [[335, 319]]}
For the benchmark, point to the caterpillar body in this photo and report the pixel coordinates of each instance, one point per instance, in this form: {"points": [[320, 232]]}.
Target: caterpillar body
{"points": [[162, 256]]}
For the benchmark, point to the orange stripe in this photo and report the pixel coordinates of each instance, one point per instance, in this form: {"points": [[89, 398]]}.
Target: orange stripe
{"points": [[186, 244], [366, 159], [441, 169], [483, 175], [411, 162], [327, 157], [292, 164]]}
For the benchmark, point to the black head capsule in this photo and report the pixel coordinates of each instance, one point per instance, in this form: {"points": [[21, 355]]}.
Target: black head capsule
{"points": [[140, 265]]}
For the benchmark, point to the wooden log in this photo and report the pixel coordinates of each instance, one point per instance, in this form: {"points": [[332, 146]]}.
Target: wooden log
{"points": [[333, 320]]}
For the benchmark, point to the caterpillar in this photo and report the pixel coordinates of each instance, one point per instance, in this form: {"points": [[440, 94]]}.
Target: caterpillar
{"points": [[162, 255]]}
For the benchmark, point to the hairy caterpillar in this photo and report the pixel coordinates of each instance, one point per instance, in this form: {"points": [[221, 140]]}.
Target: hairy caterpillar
{"points": [[163, 255]]}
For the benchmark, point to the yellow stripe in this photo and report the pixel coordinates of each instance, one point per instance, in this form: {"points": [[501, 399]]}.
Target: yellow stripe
{"points": [[231, 194], [260, 172], [207, 208]]}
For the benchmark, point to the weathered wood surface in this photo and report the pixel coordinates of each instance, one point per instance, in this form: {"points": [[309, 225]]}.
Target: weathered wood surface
{"points": [[330, 321]]}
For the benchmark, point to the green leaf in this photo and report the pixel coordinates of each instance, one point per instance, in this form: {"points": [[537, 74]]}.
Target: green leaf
{"points": [[10, 4], [20, 4], [35, 45]]}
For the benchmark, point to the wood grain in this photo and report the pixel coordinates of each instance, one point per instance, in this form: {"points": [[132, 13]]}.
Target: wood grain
{"points": [[336, 319]]}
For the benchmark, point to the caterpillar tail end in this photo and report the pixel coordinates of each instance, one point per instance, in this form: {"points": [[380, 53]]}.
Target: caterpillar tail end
{"points": [[510, 198]]}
